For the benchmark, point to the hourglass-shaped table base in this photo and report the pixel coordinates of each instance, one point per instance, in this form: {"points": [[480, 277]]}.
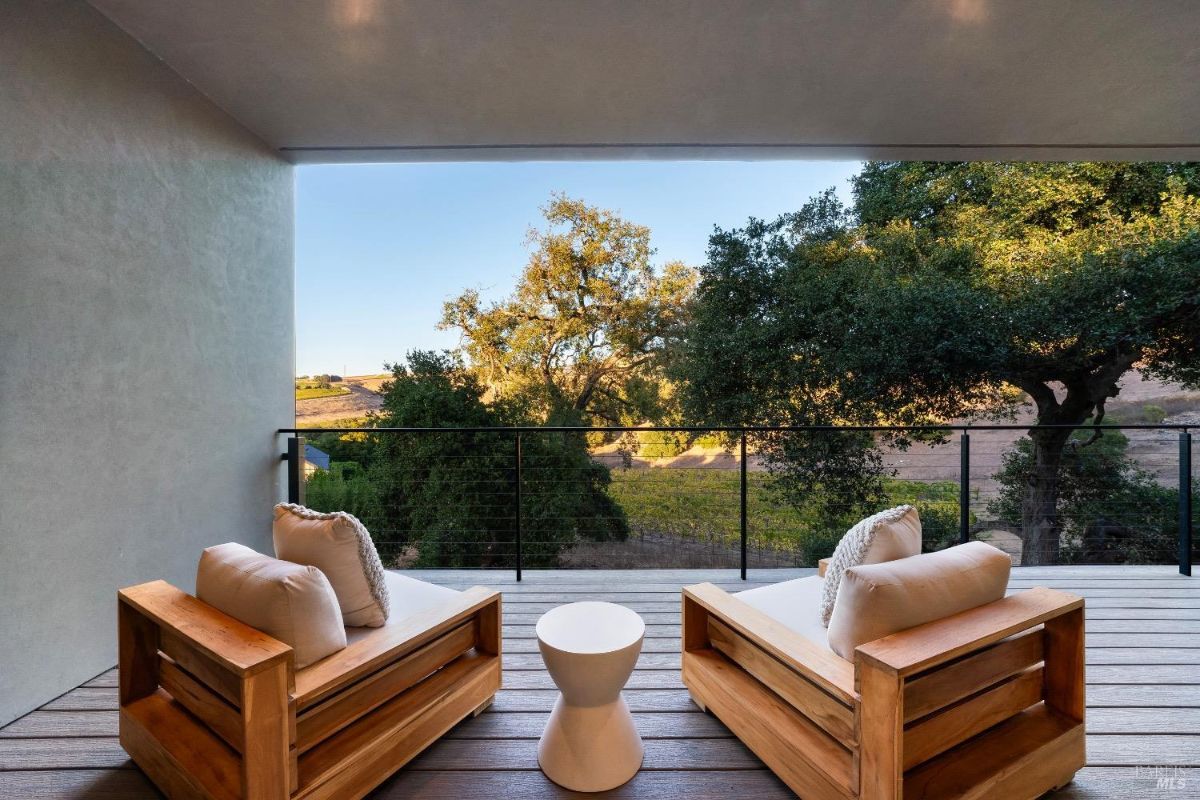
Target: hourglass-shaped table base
{"points": [[590, 743]]}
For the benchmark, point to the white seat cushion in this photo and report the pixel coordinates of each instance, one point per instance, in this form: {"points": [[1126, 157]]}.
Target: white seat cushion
{"points": [[794, 605], [291, 602], [408, 596]]}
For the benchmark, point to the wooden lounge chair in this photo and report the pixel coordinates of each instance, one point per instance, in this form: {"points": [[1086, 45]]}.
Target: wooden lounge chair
{"points": [[987, 703], [212, 708]]}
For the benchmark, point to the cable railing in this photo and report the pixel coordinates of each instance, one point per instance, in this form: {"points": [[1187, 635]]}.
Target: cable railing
{"points": [[641, 497]]}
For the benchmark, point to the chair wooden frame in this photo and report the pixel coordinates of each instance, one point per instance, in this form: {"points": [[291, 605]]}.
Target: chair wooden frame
{"points": [[212, 708], [988, 703]]}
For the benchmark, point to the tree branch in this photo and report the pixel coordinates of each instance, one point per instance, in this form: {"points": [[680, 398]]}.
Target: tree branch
{"points": [[1043, 396]]}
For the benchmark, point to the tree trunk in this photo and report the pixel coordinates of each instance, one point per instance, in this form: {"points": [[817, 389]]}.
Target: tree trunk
{"points": [[1041, 530]]}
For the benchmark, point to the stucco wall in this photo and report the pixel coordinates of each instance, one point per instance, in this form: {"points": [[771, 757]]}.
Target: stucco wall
{"points": [[146, 337]]}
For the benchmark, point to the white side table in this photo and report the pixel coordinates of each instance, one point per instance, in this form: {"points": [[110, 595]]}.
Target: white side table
{"points": [[590, 743]]}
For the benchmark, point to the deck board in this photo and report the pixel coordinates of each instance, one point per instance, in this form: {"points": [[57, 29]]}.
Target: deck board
{"points": [[1143, 656]]}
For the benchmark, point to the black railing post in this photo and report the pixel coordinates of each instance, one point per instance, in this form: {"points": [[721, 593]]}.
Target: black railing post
{"points": [[1185, 503], [964, 489], [743, 512], [295, 459], [517, 454]]}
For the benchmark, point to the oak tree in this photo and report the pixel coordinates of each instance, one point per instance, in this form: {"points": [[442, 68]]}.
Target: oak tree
{"points": [[945, 287], [583, 336]]}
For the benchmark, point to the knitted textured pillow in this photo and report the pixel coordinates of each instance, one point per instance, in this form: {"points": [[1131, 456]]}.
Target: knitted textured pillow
{"points": [[886, 536], [340, 546]]}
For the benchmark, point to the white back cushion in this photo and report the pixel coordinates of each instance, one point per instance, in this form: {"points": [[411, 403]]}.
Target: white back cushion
{"points": [[877, 600], [291, 602]]}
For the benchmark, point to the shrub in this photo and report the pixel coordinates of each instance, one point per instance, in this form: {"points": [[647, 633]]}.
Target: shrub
{"points": [[1110, 510], [1153, 414], [711, 441], [939, 525], [451, 496], [662, 444], [345, 487]]}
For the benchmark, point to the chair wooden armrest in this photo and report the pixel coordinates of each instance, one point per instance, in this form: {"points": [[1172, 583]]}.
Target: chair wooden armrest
{"points": [[822, 567], [929, 645], [228, 643]]}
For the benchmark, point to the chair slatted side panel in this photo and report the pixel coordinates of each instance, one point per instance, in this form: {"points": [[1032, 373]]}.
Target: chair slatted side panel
{"points": [[803, 755], [949, 705], [317, 723], [224, 718], [927, 692], [182, 756], [1023, 757], [831, 715], [938, 732], [201, 667]]}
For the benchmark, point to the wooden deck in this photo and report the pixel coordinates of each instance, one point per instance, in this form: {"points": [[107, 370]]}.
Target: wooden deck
{"points": [[1143, 654]]}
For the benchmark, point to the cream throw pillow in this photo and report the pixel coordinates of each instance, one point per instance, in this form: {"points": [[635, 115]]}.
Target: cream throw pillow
{"points": [[886, 536], [877, 600], [293, 603], [338, 545]]}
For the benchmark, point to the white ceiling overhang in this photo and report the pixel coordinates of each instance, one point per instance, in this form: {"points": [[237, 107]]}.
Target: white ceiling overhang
{"points": [[415, 80]]}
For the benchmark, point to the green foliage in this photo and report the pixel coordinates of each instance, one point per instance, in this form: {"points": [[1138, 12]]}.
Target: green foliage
{"points": [[939, 526], [345, 486], [318, 386], [583, 337], [448, 499], [1110, 510], [711, 441], [313, 392], [662, 444], [1153, 414], [703, 504], [936, 504], [943, 287], [345, 422]]}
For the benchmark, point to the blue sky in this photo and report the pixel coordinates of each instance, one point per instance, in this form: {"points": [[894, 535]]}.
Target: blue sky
{"points": [[380, 247]]}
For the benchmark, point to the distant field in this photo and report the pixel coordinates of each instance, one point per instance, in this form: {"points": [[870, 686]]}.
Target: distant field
{"points": [[705, 504], [313, 392], [358, 397], [349, 422]]}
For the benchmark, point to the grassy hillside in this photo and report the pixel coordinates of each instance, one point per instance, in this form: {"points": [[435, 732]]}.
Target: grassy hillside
{"points": [[313, 392], [312, 388]]}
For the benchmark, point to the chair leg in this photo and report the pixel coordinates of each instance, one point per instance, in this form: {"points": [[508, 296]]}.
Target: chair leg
{"points": [[1062, 785], [699, 703], [483, 707], [266, 762]]}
